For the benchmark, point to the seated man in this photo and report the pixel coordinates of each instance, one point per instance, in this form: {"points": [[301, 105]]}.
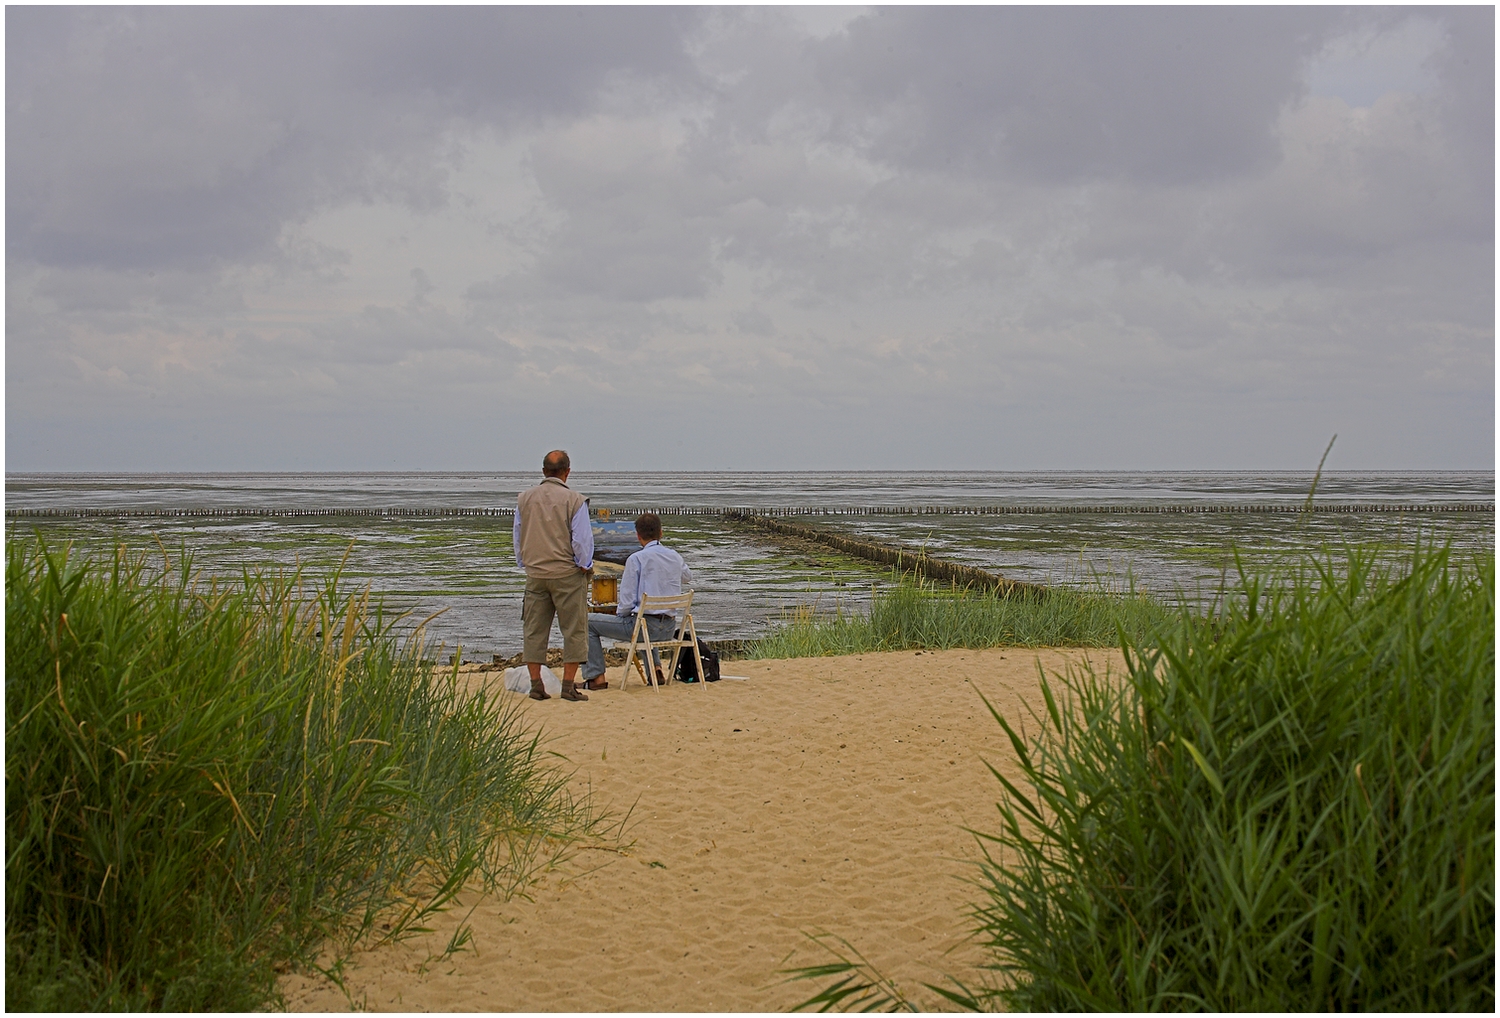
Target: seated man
{"points": [[655, 570]]}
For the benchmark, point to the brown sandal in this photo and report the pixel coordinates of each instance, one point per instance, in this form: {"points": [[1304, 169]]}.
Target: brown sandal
{"points": [[570, 691], [539, 691], [596, 684]]}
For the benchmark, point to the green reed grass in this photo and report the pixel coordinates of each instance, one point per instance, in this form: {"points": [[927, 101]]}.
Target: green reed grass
{"points": [[1288, 806], [911, 613], [205, 780]]}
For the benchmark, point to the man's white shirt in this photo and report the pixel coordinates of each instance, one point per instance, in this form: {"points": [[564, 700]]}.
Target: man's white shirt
{"points": [[656, 571]]}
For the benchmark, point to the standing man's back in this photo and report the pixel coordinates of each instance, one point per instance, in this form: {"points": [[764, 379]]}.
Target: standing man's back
{"points": [[555, 545], [544, 529]]}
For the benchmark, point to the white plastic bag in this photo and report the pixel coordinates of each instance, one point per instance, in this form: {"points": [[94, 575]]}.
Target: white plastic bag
{"points": [[518, 680]]}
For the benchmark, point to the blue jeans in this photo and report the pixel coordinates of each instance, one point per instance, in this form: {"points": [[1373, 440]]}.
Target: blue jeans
{"points": [[619, 627]]}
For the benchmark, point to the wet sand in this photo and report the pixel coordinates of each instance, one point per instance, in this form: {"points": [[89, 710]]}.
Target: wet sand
{"points": [[823, 794]]}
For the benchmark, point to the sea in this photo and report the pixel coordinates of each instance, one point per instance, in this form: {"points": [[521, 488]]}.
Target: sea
{"points": [[440, 543]]}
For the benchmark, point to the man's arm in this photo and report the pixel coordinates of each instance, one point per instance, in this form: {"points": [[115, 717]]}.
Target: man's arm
{"points": [[630, 586], [583, 538], [687, 575], [515, 537]]}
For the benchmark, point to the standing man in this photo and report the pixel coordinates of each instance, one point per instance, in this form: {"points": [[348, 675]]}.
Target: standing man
{"points": [[555, 545], [655, 570]]}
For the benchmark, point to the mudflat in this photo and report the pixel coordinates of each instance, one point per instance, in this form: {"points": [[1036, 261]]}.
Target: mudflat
{"points": [[819, 795]]}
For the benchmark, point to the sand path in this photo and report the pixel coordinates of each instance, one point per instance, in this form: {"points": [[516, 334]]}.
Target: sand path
{"points": [[824, 794]]}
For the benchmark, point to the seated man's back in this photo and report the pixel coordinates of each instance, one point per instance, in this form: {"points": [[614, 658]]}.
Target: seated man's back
{"points": [[656, 571]]}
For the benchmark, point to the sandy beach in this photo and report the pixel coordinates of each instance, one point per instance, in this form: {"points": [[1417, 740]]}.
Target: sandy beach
{"points": [[822, 794]]}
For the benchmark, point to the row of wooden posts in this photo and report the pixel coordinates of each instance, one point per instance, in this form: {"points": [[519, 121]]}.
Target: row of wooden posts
{"points": [[440, 512], [914, 559]]}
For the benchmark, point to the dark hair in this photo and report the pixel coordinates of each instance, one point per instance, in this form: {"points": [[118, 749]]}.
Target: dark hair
{"points": [[648, 525], [555, 463]]}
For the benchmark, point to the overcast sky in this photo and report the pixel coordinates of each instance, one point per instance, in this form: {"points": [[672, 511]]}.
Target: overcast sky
{"points": [[785, 238]]}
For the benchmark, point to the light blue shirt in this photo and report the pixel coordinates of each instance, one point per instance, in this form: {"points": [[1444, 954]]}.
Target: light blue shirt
{"points": [[582, 533], [656, 571]]}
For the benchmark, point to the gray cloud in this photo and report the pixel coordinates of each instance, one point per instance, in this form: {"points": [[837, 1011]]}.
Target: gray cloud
{"points": [[1044, 237], [165, 137], [1073, 94]]}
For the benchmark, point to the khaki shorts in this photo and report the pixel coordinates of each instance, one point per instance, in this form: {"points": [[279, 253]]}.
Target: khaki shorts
{"points": [[567, 598]]}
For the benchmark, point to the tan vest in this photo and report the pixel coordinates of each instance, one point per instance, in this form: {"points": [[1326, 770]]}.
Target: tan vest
{"points": [[547, 513]]}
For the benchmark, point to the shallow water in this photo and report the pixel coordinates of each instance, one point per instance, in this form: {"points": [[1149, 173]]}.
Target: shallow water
{"points": [[463, 566], [823, 490]]}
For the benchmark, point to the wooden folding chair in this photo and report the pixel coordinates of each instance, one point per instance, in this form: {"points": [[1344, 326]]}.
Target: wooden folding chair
{"points": [[640, 636]]}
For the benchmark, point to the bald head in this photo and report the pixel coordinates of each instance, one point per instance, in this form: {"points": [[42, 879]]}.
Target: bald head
{"points": [[555, 464]]}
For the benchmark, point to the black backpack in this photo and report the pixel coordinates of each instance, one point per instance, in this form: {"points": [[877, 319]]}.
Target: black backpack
{"points": [[687, 666]]}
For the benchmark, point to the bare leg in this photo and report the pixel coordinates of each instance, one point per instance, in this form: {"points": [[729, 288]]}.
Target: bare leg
{"points": [[538, 690], [570, 675]]}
